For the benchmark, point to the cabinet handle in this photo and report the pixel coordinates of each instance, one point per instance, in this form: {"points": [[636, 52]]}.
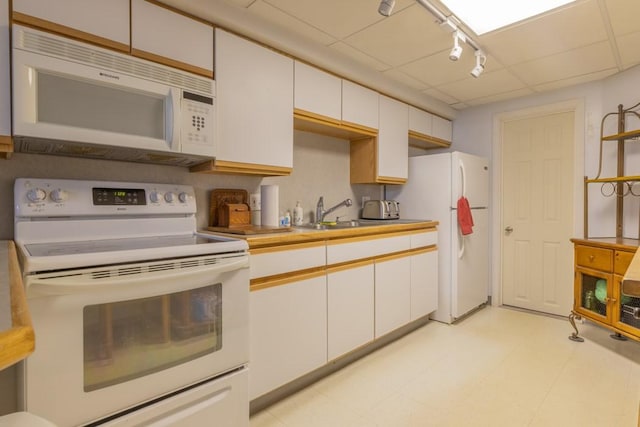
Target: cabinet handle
{"points": [[607, 300], [591, 258]]}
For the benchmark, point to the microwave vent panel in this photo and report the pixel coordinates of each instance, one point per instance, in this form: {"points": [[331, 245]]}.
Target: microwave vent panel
{"points": [[101, 58]]}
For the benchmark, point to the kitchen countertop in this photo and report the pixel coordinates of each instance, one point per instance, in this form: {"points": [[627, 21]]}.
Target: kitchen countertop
{"points": [[17, 339], [301, 235]]}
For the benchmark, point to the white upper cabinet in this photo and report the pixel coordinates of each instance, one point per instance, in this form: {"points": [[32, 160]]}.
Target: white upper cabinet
{"points": [[442, 128], [255, 107], [99, 21], [317, 92], [420, 121], [160, 34], [393, 146], [359, 105]]}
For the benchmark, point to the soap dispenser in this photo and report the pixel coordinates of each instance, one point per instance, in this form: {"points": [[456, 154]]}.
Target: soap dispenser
{"points": [[298, 213]]}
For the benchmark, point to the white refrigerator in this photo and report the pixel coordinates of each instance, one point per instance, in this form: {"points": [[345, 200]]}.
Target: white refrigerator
{"points": [[435, 184]]}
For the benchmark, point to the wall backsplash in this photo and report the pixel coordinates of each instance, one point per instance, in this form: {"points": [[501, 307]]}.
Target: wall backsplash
{"points": [[321, 167]]}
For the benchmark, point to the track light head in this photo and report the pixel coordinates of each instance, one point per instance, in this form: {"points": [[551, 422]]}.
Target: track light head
{"points": [[386, 6], [481, 59], [456, 51]]}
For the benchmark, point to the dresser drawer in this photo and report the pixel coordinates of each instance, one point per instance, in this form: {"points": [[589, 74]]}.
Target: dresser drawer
{"points": [[595, 258], [621, 261]]}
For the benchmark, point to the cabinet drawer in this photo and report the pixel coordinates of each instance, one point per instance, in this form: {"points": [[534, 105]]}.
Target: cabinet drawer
{"points": [[424, 239], [365, 247], [283, 259], [621, 261], [596, 258]]}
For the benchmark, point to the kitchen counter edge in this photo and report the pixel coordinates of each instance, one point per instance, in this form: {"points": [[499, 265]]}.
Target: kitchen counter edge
{"points": [[17, 339], [302, 235]]}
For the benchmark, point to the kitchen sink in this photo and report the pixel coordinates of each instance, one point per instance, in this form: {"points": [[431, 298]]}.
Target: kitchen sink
{"points": [[353, 223]]}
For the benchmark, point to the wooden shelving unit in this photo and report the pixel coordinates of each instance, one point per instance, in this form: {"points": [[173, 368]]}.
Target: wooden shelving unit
{"points": [[601, 263]]}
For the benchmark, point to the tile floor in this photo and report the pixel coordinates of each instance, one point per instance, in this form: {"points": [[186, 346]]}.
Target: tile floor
{"points": [[499, 367]]}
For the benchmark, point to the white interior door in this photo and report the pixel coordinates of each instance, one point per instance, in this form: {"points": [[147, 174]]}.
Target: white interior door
{"points": [[537, 213]]}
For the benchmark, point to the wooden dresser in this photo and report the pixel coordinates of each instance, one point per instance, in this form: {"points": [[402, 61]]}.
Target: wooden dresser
{"points": [[600, 266]]}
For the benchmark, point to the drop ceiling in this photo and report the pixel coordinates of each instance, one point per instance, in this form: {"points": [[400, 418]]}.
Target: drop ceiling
{"points": [[584, 41]]}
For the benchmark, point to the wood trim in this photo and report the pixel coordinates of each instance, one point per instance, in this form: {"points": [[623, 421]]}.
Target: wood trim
{"points": [[425, 142], [63, 30], [394, 256], [369, 237], [286, 247], [317, 123], [424, 250], [238, 168], [19, 341], [172, 63], [349, 265], [6, 147], [390, 180], [285, 279]]}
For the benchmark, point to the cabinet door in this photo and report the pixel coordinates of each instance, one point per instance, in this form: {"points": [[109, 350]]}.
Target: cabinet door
{"points": [[255, 103], [359, 105], [96, 21], [420, 121], [288, 332], [392, 293], [424, 282], [188, 45], [593, 294], [350, 296], [393, 139], [317, 92], [5, 95], [442, 128]]}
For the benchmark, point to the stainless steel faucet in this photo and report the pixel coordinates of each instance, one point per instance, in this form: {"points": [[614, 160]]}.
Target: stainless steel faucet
{"points": [[321, 213]]}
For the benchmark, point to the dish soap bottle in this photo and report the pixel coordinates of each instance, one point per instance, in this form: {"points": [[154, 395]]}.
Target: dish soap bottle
{"points": [[287, 219], [298, 213]]}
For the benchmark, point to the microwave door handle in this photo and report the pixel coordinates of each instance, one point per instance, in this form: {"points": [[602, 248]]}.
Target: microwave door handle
{"points": [[176, 280], [172, 118]]}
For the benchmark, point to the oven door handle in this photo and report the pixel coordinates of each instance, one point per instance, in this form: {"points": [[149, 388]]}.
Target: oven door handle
{"points": [[133, 282]]}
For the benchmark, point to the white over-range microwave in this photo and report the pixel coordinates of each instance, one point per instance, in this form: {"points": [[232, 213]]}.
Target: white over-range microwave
{"points": [[75, 99]]}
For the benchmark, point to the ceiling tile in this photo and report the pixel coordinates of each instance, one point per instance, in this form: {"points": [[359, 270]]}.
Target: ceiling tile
{"points": [[628, 48], [623, 15], [438, 69], [338, 18], [361, 57], [241, 3], [444, 97], [564, 65], [405, 79], [487, 84], [565, 29], [586, 78], [403, 37], [499, 97], [283, 20]]}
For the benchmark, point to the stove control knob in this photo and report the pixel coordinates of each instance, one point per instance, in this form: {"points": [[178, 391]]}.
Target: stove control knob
{"points": [[36, 195], [154, 197], [183, 197], [59, 195], [169, 197]]}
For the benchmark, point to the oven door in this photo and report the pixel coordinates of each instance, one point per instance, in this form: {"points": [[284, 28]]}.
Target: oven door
{"points": [[111, 338]]}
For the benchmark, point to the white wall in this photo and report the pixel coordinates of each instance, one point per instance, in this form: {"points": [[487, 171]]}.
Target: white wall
{"points": [[473, 132]]}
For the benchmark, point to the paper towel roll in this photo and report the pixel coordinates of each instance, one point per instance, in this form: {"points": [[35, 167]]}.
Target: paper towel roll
{"points": [[269, 214]]}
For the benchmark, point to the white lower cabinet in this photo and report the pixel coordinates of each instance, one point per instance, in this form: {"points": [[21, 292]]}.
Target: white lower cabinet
{"points": [[288, 332], [424, 282], [392, 293], [350, 307]]}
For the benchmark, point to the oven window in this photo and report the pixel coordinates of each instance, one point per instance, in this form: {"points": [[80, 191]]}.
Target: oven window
{"points": [[129, 339]]}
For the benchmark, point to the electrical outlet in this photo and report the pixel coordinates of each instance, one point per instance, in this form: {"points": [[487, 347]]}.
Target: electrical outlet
{"points": [[364, 199], [254, 202]]}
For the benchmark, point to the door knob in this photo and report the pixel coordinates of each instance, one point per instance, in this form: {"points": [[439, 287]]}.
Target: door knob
{"points": [[509, 229]]}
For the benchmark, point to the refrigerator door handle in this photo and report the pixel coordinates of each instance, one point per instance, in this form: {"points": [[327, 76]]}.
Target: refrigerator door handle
{"points": [[461, 240], [463, 182]]}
